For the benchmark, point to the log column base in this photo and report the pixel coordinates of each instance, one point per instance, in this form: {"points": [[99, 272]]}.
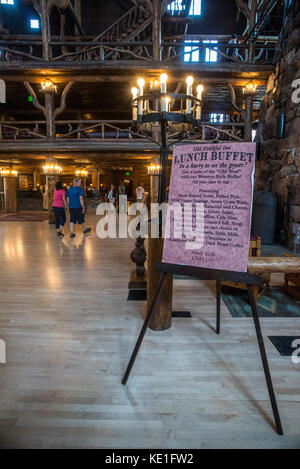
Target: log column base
{"points": [[162, 315]]}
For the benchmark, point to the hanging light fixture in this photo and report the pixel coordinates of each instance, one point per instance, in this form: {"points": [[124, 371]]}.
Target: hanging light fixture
{"points": [[149, 99], [8, 172], [52, 169]]}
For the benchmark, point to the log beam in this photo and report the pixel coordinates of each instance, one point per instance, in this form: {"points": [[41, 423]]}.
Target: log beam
{"points": [[285, 265]]}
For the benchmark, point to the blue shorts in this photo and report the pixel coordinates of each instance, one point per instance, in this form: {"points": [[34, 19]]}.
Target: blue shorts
{"points": [[76, 216]]}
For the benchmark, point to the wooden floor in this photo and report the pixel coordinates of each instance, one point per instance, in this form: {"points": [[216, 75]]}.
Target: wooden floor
{"points": [[69, 332]]}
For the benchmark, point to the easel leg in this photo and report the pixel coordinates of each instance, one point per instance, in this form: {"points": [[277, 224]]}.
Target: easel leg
{"points": [[265, 361], [218, 307], [144, 328]]}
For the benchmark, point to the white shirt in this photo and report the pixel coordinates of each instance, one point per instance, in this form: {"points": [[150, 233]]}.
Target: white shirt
{"points": [[140, 191]]}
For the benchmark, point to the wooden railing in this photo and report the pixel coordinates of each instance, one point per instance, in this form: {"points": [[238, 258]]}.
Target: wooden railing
{"points": [[172, 51], [110, 130]]}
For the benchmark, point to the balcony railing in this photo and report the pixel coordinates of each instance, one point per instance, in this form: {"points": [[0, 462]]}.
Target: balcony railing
{"points": [[172, 50], [110, 130]]}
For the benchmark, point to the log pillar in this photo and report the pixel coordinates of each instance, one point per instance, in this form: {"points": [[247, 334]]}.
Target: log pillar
{"points": [[248, 117], [83, 186], [10, 194], [36, 178], [51, 180], [46, 34], [156, 30], [77, 10], [49, 108], [95, 179], [252, 4], [162, 314]]}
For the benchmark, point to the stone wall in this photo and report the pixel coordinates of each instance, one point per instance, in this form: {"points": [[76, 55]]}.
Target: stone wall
{"points": [[279, 163]]}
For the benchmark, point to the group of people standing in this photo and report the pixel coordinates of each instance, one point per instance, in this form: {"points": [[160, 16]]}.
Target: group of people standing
{"points": [[112, 194], [72, 200]]}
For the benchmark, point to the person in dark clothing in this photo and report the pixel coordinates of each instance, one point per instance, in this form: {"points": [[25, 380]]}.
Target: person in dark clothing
{"points": [[76, 206]]}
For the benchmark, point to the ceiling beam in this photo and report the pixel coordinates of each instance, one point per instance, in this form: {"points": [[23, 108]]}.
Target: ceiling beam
{"points": [[125, 66]]}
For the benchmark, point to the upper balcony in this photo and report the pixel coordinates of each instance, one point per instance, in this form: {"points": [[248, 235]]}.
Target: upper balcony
{"points": [[141, 38]]}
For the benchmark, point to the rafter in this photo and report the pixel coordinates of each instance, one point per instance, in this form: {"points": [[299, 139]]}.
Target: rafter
{"points": [[35, 100], [243, 7], [63, 98]]}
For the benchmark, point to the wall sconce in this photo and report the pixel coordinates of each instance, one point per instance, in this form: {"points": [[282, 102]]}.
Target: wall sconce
{"points": [[154, 170], [249, 89], [52, 169], [48, 86], [8, 172], [81, 173]]}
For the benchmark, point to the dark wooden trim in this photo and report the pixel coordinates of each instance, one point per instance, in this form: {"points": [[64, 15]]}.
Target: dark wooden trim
{"points": [[133, 65], [208, 274]]}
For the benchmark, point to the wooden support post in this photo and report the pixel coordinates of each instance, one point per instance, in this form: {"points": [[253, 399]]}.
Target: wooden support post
{"points": [[95, 179], [161, 318], [10, 194], [77, 10], [51, 180], [36, 178], [248, 118], [83, 186], [46, 33], [156, 30], [49, 111], [252, 21]]}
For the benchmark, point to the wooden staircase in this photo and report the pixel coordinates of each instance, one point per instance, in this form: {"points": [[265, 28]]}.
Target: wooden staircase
{"points": [[128, 27]]}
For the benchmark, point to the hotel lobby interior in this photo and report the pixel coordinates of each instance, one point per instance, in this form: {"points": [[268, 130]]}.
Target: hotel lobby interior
{"points": [[107, 93]]}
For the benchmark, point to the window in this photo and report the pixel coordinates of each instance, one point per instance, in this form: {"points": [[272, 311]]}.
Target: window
{"points": [[34, 24], [195, 9], [217, 117], [7, 2], [175, 6], [191, 53], [210, 54]]}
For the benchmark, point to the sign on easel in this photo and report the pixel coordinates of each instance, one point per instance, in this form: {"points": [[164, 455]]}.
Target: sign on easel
{"points": [[210, 205]]}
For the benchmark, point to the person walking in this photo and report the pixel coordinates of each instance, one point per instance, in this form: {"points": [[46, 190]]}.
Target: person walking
{"points": [[58, 207], [140, 192], [76, 206], [112, 194], [122, 198]]}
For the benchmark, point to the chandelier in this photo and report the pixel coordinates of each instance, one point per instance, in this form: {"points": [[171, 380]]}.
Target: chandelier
{"points": [[52, 169], [8, 172], [155, 104]]}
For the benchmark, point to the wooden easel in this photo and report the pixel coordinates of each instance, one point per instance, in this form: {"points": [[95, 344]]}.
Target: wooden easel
{"points": [[218, 275]]}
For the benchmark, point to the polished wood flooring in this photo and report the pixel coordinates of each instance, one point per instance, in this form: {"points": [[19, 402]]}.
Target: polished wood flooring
{"points": [[69, 332]]}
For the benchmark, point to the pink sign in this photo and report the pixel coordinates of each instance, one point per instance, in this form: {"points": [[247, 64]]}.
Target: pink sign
{"points": [[210, 202]]}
